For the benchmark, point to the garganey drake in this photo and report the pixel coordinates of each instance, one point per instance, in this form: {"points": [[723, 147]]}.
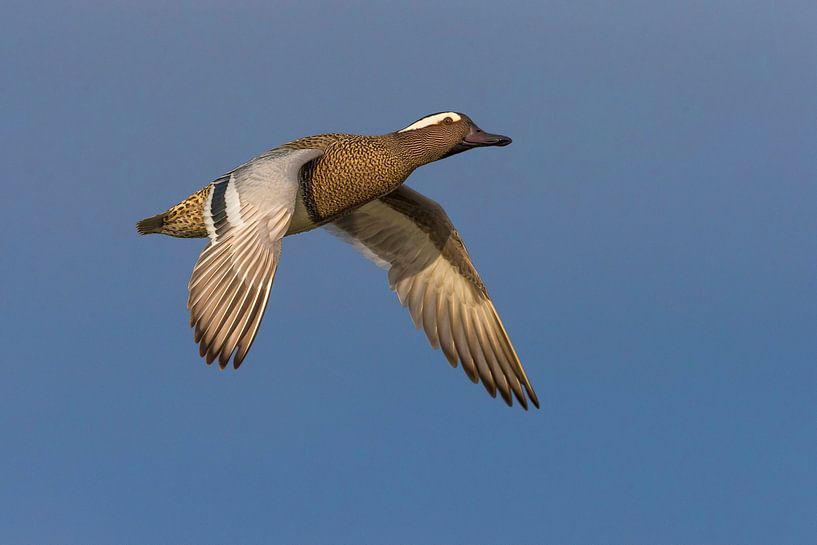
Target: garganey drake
{"points": [[351, 185]]}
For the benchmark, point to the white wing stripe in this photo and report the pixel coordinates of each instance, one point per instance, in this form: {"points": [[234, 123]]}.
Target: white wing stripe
{"points": [[233, 204], [208, 217]]}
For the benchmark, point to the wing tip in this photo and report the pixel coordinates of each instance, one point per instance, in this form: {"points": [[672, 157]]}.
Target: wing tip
{"points": [[533, 398]]}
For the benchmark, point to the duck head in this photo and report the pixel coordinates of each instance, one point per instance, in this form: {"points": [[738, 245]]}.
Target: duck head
{"points": [[447, 133]]}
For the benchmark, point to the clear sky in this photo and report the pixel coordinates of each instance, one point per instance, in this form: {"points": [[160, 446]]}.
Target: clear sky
{"points": [[650, 240]]}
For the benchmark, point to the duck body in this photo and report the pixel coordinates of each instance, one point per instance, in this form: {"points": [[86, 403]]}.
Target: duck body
{"points": [[352, 170], [352, 185]]}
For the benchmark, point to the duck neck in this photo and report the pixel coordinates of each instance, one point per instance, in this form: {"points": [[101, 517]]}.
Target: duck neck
{"points": [[420, 148]]}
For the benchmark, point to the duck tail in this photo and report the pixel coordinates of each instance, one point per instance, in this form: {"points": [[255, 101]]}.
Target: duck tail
{"points": [[153, 224], [185, 220]]}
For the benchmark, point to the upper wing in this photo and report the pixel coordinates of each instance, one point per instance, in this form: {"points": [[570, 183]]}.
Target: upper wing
{"points": [[247, 213], [429, 268]]}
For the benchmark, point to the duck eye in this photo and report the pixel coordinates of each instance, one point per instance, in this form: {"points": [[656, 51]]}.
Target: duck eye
{"points": [[448, 120]]}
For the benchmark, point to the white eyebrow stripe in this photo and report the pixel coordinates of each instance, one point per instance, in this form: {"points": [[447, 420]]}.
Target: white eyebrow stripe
{"points": [[431, 120]]}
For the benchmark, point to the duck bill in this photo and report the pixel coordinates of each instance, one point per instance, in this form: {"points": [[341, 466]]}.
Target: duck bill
{"points": [[480, 138]]}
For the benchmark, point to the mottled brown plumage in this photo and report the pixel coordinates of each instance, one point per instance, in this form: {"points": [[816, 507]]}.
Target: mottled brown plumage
{"points": [[185, 220], [351, 183]]}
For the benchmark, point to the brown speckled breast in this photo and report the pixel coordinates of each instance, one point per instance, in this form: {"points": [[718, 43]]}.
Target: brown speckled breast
{"points": [[353, 171]]}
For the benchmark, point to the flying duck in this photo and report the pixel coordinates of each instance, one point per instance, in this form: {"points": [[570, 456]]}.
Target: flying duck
{"points": [[352, 185]]}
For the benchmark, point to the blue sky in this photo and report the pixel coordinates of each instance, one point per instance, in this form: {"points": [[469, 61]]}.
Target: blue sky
{"points": [[649, 240]]}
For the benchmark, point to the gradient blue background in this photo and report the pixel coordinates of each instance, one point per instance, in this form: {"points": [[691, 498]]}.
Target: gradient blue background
{"points": [[649, 239]]}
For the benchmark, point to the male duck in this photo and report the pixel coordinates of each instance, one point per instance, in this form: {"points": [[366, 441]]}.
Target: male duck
{"points": [[352, 185]]}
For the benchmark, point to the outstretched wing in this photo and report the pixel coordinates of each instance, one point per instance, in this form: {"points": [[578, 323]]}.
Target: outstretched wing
{"points": [[247, 213], [429, 268]]}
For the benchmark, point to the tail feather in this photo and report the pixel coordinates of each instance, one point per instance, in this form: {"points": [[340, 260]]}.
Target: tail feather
{"points": [[153, 224]]}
